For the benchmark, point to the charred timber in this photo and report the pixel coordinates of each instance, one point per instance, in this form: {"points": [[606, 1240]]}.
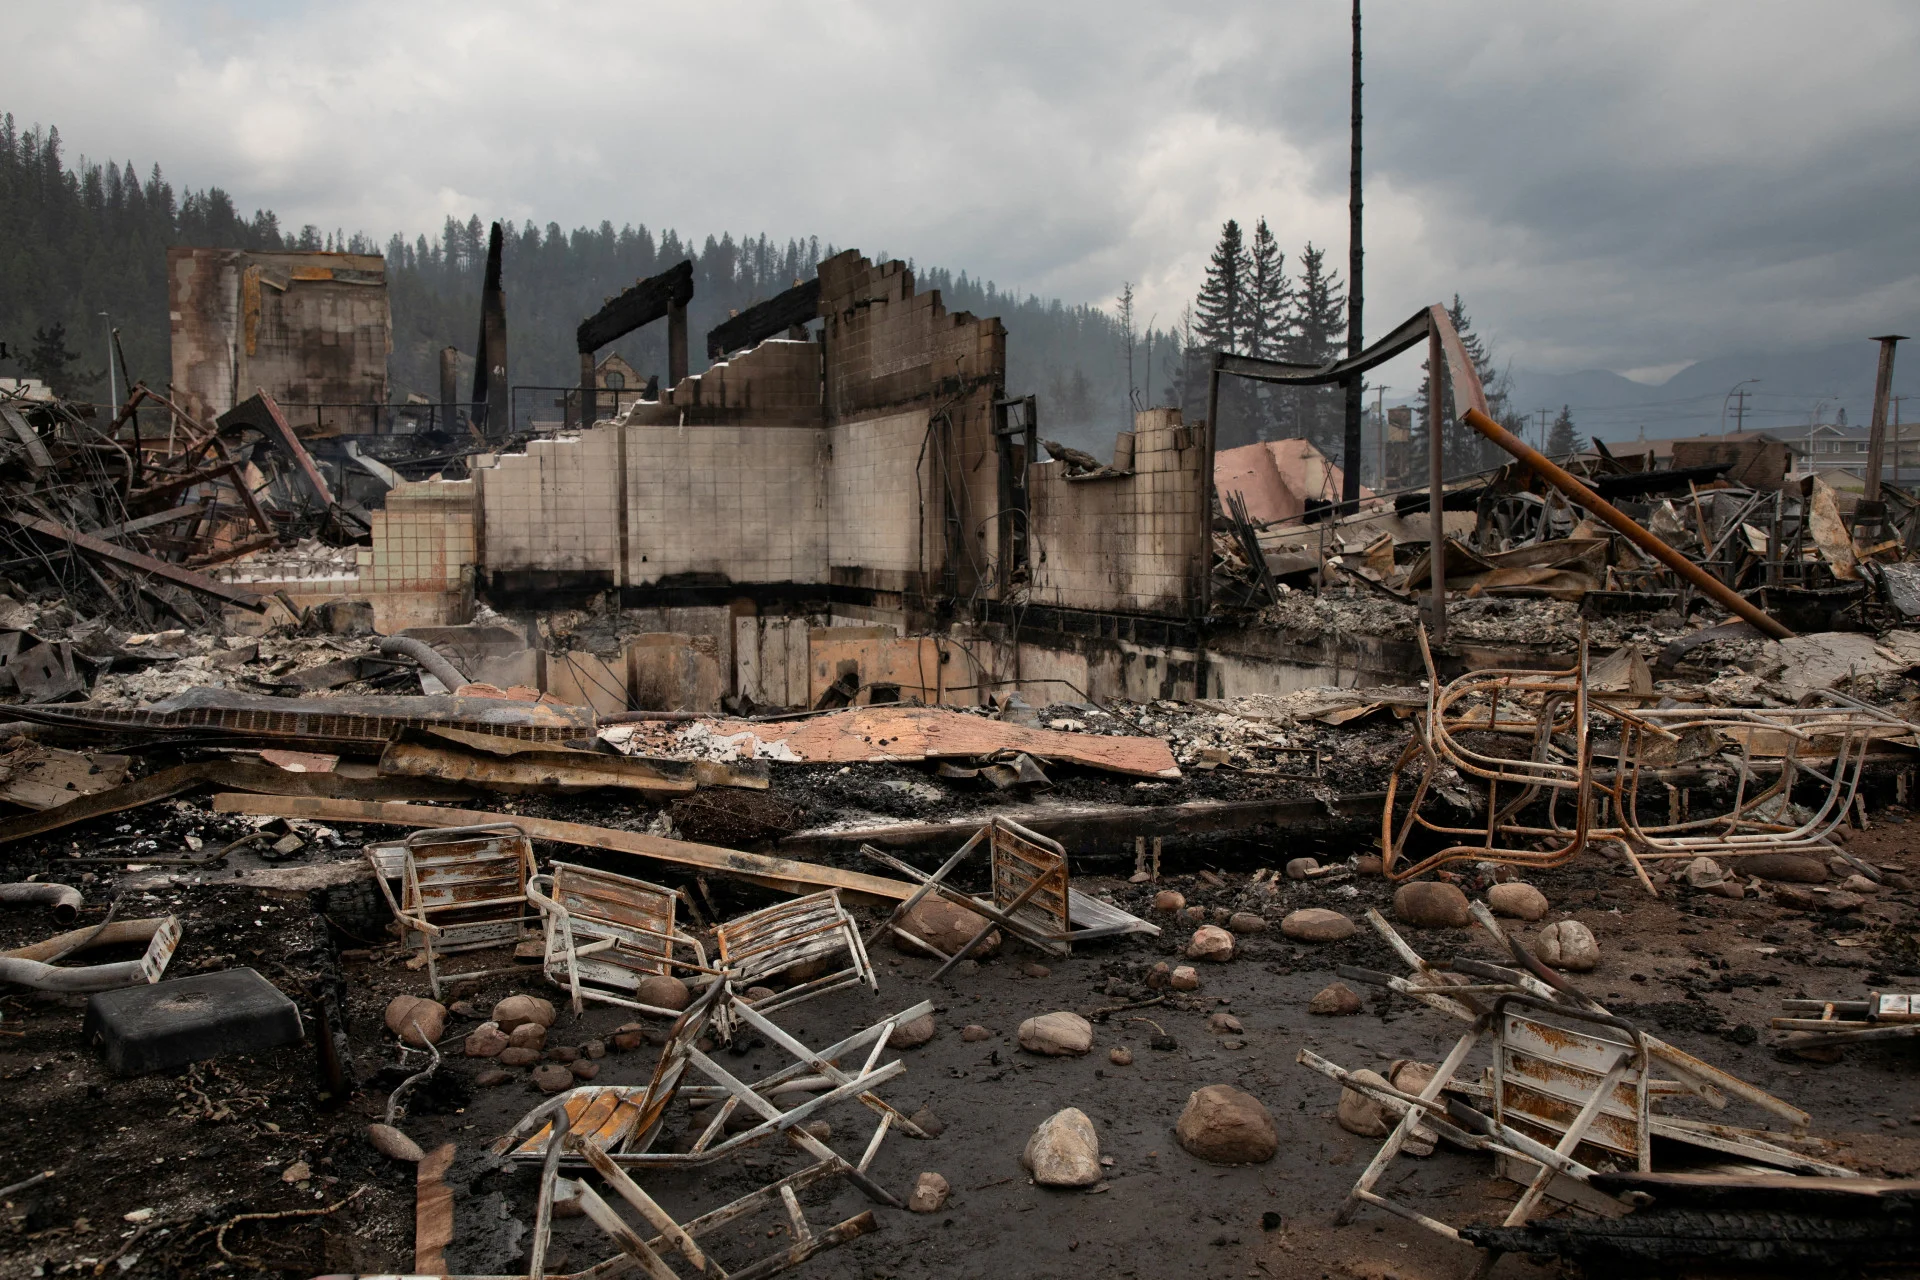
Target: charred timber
{"points": [[765, 320]]}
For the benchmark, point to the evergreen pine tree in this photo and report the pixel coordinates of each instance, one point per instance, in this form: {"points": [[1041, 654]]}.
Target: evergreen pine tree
{"points": [[1221, 311], [1269, 296], [1560, 438], [1318, 334]]}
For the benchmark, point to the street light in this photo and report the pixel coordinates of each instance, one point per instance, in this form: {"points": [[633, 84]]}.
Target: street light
{"points": [[113, 385], [1731, 391]]}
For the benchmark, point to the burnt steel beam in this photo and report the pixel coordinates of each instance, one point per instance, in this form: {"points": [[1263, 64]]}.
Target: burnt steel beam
{"points": [[765, 320], [262, 413], [1295, 374], [104, 550], [645, 302]]}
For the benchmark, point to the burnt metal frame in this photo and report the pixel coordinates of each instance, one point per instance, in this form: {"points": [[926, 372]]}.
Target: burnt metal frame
{"points": [[619, 952], [766, 942], [424, 896]]}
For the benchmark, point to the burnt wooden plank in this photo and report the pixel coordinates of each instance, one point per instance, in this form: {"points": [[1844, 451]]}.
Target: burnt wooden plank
{"points": [[765, 320], [642, 304]]}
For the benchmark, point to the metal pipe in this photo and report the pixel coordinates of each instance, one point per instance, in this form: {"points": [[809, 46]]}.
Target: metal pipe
{"points": [[1436, 488], [429, 658], [63, 898], [1877, 433], [82, 978], [1553, 474]]}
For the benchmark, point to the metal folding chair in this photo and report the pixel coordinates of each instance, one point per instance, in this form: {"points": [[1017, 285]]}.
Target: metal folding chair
{"points": [[1031, 896], [764, 945], [606, 932], [461, 889]]}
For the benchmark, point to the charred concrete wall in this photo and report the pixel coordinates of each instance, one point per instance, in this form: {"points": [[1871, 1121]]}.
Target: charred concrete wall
{"points": [[1127, 541], [311, 329]]}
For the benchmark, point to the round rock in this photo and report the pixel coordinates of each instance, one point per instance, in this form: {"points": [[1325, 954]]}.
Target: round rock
{"points": [[1057, 1035], [1517, 901], [1064, 1151], [1337, 1000], [1703, 873], [1787, 868], [486, 1041], [1431, 904], [1169, 901], [1184, 978], [912, 1034], [518, 1057], [929, 1194], [551, 1077], [416, 1020], [1360, 1114], [1317, 924], [973, 1032], [393, 1144], [528, 1035], [663, 991], [1569, 945], [1301, 868], [1120, 1056], [1246, 922], [1211, 944], [516, 1011], [1225, 1125], [947, 926]]}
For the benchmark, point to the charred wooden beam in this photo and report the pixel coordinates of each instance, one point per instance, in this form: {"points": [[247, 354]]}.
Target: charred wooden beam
{"points": [[765, 320], [645, 302]]}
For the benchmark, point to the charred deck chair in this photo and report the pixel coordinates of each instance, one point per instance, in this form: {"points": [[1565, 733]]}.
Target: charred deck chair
{"points": [[606, 932], [612, 1129], [1031, 896], [461, 889], [759, 947]]}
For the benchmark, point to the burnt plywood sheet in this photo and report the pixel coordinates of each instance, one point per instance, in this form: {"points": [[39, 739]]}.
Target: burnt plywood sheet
{"points": [[890, 733]]}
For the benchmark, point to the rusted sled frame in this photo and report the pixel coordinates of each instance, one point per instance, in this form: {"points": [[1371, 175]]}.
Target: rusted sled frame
{"points": [[606, 932]]}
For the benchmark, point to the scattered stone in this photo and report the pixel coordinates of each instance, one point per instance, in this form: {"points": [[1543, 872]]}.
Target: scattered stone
{"points": [[1225, 1125], [393, 1144], [928, 1123], [1169, 901], [1317, 924], [1035, 970], [1160, 975], [298, 1171], [486, 1041], [1120, 1056], [1409, 1076], [463, 1009], [1064, 1151], [1703, 873], [1360, 1114], [491, 1077], [516, 1011], [1246, 922], [562, 1053], [1568, 945], [946, 926], [595, 1049], [1220, 915], [1431, 904], [1195, 914], [1788, 868], [518, 1057], [754, 995], [1841, 900], [1369, 864], [912, 1034], [1184, 978], [973, 1033], [629, 1037], [1517, 901], [1222, 1023], [417, 1020], [584, 1068], [1302, 868], [1731, 887], [528, 1035], [1057, 1035], [1336, 1000], [1210, 943], [1790, 895], [930, 1192], [551, 1077], [663, 991], [1857, 883]]}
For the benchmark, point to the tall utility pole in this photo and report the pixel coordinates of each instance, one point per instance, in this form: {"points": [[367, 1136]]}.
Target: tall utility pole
{"points": [[113, 384], [1543, 427], [1350, 480], [1740, 410]]}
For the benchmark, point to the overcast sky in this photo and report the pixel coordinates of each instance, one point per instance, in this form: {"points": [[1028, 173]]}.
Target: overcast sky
{"points": [[1622, 185]]}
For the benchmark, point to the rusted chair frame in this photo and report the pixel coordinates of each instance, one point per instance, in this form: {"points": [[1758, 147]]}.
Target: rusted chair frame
{"points": [[766, 942], [619, 952], [419, 900], [626, 1128]]}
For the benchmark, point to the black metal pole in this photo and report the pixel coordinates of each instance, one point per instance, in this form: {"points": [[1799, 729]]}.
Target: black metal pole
{"points": [[1351, 453]]}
